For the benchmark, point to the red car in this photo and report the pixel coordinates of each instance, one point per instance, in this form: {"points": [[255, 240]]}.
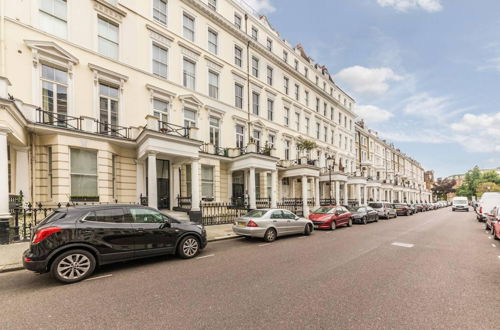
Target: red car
{"points": [[493, 222], [329, 217]]}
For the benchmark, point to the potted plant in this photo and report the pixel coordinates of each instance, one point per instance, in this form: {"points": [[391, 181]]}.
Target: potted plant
{"points": [[307, 146]]}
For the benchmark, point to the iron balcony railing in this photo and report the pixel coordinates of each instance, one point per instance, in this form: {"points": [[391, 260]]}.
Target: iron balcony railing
{"points": [[168, 128], [58, 119], [113, 130]]}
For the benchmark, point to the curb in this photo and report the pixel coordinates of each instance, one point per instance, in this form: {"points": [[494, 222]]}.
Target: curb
{"points": [[11, 269], [223, 238]]}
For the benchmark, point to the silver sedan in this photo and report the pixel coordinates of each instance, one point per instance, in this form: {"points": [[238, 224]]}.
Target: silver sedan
{"points": [[271, 223]]}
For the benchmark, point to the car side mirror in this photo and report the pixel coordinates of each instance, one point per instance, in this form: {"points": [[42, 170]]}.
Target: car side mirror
{"points": [[166, 224], [338, 212], [297, 218]]}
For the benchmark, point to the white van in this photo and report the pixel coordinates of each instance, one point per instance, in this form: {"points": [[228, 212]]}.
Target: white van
{"points": [[460, 203], [487, 202]]}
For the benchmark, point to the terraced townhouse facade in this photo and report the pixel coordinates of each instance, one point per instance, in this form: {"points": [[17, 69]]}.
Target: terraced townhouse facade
{"points": [[172, 103]]}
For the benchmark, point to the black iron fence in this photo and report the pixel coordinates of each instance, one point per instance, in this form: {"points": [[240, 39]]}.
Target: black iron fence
{"points": [[220, 213], [291, 204], [24, 220], [353, 202], [327, 201], [263, 203], [183, 203]]}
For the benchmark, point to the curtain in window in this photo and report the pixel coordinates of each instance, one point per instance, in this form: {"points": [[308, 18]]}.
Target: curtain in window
{"points": [[207, 181], [83, 172]]}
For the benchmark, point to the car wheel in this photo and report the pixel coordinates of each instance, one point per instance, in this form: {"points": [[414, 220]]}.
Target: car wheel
{"points": [[307, 230], [333, 225], [73, 266], [270, 235], [376, 218], [349, 224], [188, 247], [364, 221]]}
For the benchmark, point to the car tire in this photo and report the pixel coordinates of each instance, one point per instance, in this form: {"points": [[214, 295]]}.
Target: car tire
{"points": [[376, 218], [333, 225], [365, 221], [307, 230], [73, 266], [349, 223], [188, 247], [270, 235]]}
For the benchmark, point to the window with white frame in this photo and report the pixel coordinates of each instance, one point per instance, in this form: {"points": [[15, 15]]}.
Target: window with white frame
{"points": [[306, 71], [297, 92], [325, 134], [255, 66], [287, 149], [238, 56], [207, 181], [332, 111], [189, 74], [317, 104], [269, 45], [160, 61], [269, 75], [54, 94], [286, 83], [270, 109], [108, 38], [255, 103], [271, 140], [213, 84], [256, 138], [108, 108], [160, 111], [285, 56], [297, 121], [325, 106], [160, 11], [255, 33], [237, 21], [83, 172], [306, 93], [240, 136], [287, 116], [296, 65], [307, 125], [215, 131], [189, 118], [212, 41], [238, 96], [53, 17], [188, 26], [212, 4], [317, 130], [332, 137]]}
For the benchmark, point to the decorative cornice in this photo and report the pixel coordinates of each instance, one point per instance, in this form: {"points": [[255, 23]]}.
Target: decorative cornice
{"points": [[109, 10]]}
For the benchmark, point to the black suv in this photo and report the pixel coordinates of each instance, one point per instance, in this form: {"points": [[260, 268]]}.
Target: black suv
{"points": [[71, 242]]}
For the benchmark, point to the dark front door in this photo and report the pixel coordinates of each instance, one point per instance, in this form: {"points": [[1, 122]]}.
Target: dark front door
{"points": [[238, 188], [163, 183]]}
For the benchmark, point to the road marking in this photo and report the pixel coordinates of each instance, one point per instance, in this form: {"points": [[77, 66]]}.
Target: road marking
{"points": [[498, 257], [264, 244], [493, 245], [98, 277], [489, 237], [406, 245], [207, 256]]}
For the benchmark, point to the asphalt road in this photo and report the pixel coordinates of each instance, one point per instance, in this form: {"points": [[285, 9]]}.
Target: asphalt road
{"points": [[351, 278]]}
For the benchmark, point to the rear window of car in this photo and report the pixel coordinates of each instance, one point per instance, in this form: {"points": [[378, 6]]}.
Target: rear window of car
{"points": [[325, 210], [375, 205], [53, 217], [255, 214]]}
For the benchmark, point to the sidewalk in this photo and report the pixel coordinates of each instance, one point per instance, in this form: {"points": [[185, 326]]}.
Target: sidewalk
{"points": [[11, 254]]}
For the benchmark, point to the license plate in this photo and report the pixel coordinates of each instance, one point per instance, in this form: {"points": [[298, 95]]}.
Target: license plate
{"points": [[242, 224], [316, 226]]}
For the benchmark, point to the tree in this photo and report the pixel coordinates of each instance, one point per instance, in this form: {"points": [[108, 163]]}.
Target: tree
{"points": [[443, 186], [487, 187], [491, 176]]}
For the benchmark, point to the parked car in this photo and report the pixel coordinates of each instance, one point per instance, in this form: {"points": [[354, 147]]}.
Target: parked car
{"points": [[418, 208], [363, 214], [460, 204], [385, 210], [71, 242], [330, 217], [487, 202], [491, 217], [269, 224], [403, 209]]}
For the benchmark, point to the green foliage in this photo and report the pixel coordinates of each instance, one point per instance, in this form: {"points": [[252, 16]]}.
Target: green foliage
{"points": [[475, 183], [307, 145], [443, 186]]}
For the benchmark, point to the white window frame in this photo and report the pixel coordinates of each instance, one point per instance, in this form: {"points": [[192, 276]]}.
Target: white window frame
{"points": [[161, 48], [213, 45], [213, 90], [100, 37], [186, 75], [54, 17], [191, 32], [156, 10]]}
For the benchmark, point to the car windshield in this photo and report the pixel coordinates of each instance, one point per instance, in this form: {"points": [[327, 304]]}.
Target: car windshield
{"points": [[375, 205], [353, 208], [460, 202], [400, 205], [255, 214], [325, 210]]}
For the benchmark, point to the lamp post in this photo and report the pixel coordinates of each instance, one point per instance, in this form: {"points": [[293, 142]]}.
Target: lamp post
{"points": [[330, 166]]}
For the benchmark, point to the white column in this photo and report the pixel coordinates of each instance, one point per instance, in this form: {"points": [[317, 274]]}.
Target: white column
{"points": [[337, 192], [292, 185], [4, 173], [358, 193], [176, 184], [195, 185], [365, 197], [152, 182], [305, 207], [229, 185], [316, 193], [346, 193], [274, 190], [23, 173], [251, 188]]}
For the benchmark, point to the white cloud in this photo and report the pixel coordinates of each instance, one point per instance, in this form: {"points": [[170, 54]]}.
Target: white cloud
{"points": [[425, 105], [261, 6], [372, 81], [479, 133], [417, 135], [372, 113], [431, 6]]}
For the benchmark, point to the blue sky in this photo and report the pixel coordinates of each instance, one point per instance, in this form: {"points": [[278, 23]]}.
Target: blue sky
{"points": [[424, 73]]}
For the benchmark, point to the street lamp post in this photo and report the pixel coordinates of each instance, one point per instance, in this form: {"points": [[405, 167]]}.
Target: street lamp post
{"points": [[330, 166]]}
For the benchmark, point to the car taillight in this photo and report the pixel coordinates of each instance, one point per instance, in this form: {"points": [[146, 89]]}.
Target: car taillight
{"points": [[42, 234], [252, 223], [481, 210]]}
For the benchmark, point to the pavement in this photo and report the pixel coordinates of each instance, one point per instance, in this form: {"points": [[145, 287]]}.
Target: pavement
{"points": [[11, 254], [433, 270]]}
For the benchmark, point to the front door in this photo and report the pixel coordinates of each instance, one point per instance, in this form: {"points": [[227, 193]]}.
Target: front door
{"points": [[163, 183], [238, 188]]}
